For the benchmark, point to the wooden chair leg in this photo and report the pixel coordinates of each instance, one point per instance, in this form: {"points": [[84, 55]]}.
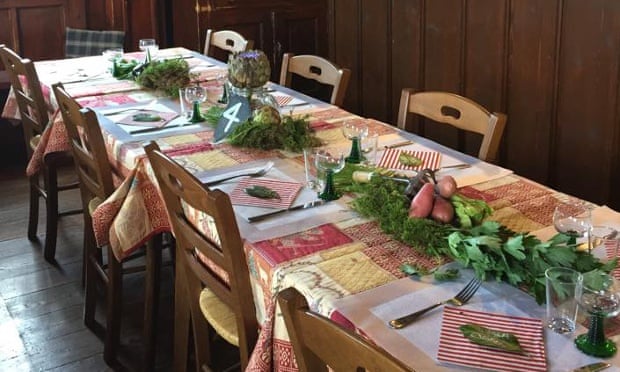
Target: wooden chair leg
{"points": [[33, 215], [181, 321], [113, 310], [51, 225], [151, 299], [90, 279]]}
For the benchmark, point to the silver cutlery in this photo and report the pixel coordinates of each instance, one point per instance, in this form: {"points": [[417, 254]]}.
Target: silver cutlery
{"points": [[459, 299], [594, 367], [398, 144], [453, 166], [308, 205], [154, 129], [258, 173]]}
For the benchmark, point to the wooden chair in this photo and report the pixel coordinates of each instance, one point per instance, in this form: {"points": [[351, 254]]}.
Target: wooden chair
{"points": [[458, 111], [35, 118], [319, 69], [229, 41], [212, 276], [318, 342], [96, 185]]}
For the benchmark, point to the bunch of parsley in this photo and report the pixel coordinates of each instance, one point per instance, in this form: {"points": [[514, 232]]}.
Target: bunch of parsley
{"points": [[491, 250], [292, 134]]}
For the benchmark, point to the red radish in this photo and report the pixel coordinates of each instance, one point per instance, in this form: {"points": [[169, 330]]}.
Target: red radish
{"points": [[422, 204], [446, 186], [443, 211]]}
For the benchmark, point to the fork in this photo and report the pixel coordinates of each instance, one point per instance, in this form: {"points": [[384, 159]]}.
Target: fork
{"points": [[258, 173], [459, 299]]}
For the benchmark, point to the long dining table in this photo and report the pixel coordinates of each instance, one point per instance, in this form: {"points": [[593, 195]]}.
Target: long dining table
{"points": [[345, 265]]}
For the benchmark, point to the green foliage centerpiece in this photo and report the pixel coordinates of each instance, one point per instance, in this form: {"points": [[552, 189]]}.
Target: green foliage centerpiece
{"points": [[166, 75]]}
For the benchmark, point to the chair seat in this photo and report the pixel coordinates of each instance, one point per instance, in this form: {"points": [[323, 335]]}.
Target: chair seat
{"points": [[34, 141], [220, 316], [93, 204]]}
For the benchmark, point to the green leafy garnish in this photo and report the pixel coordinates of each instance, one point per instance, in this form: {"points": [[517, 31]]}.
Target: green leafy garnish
{"points": [[470, 212], [213, 114], [292, 134], [491, 338], [447, 274], [145, 116], [165, 75], [409, 160], [122, 68], [493, 251], [262, 192]]}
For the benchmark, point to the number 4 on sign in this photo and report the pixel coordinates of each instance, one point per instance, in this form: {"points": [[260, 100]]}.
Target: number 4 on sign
{"points": [[236, 113]]}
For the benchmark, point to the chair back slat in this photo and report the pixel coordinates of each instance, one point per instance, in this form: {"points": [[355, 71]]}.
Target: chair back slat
{"points": [[457, 111], [318, 69], [29, 96], [89, 151], [318, 342], [212, 256], [226, 40]]}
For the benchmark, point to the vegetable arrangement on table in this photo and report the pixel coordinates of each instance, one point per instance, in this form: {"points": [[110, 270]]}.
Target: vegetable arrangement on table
{"points": [[404, 209]]}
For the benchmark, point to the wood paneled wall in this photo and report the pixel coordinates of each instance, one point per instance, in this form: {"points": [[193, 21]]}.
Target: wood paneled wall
{"points": [[551, 65]]}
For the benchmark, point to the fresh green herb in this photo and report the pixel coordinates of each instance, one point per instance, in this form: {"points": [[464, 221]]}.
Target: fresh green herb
{"points": [[145, 116], [409, 160], [413, 269], [262, 192], [122, 68], [446, 274], [165, 75], [491, 338], [470, 212], [292, 134], [213, 114], [492, 250]]}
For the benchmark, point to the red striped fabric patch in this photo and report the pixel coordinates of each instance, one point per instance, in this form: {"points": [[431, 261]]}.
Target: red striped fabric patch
{"points": [[455, 348], [283, 100], [287, 190], [430, 159], [610, 252]]}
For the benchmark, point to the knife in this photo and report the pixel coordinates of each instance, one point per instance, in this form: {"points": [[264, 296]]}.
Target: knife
{"points": [[308, 205], [154, 129], [594, 367]]}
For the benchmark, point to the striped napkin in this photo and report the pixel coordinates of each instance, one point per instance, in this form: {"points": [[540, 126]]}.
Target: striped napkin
{"points": [[287, 100], [287, 190], [610, 252], [455, 348], [430, 159]]}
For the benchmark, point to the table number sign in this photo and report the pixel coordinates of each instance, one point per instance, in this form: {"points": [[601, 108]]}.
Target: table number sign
{"points": [[236, 113]]}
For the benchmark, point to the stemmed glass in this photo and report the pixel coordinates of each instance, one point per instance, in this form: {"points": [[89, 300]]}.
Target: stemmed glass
{"points": [[574, 220], [149, 46], [355, 130], [329, 163], [196, 95], [601, 299]]}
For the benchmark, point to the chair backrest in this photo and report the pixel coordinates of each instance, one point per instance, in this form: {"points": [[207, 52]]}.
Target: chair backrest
{"points": [[88, 147], [83, 43], [27, 88], [458, 111], [230, 41], [318, 69], [318, 342], [213, 258]]}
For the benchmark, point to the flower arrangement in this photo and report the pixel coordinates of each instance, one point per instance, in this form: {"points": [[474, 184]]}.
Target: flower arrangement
{"points": [[164, 75]]}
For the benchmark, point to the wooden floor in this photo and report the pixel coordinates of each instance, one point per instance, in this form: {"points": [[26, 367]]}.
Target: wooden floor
{"points": [[41, 327]]}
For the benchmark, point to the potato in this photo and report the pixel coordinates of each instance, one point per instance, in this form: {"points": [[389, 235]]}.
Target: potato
{"points": [[443, 211], [422, 203], [446, 186]]}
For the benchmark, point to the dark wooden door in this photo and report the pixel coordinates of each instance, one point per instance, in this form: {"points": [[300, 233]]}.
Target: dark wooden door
{"points": [[35, 28]]}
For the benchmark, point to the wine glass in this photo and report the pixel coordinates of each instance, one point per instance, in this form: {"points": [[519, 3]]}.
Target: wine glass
{"points": [[329, 163], [355, 130], [601, 299], [574, 220], [196, 95], [149, 46]]}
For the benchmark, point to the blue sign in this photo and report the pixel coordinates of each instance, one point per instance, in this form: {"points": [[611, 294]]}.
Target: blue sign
{"points": [[236, 113]]}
